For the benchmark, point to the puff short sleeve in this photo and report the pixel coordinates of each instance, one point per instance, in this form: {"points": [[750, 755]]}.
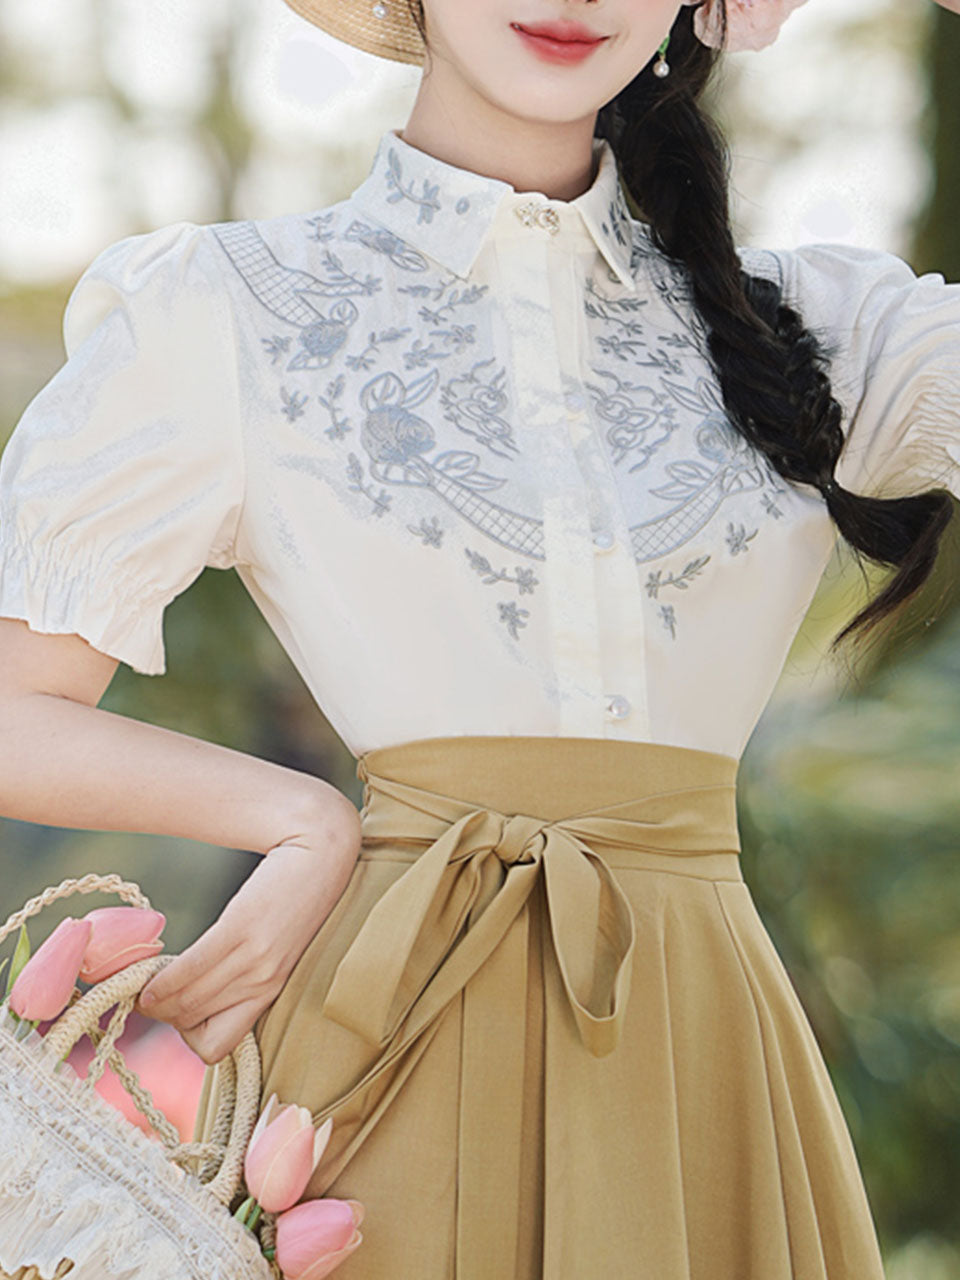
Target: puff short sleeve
{"points": [[124, 476], [896, 368]]}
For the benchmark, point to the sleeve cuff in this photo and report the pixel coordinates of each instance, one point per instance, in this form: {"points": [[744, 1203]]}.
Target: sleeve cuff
{"points": [[80, 596]]}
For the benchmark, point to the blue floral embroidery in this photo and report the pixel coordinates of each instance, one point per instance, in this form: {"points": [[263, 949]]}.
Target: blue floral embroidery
{"points": [[285, 539], [462, 205], [321, 226], [656, 580], [365, 359], [525, 579], [381, 501], [286, 291], [629, 338], [738, 538], [459, 336], [669, 619], [293, 402], [429, 531], [475, 403], [641, 419], [419, 356], [322, 339], [459, 297], [395, 437], [513, 616], [427, 203], [770, 505], [701, 489], [339, 426], [276, 346], [380, 240]]}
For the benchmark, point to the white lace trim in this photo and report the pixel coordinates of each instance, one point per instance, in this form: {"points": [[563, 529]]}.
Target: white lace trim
{"points": [[78, 1180]]}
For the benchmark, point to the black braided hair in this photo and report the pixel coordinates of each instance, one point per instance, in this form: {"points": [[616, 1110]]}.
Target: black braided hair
{"points": [[773, 373]]}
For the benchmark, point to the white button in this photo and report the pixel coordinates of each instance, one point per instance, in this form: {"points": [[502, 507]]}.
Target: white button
{"points": [[618, 706], [603, 540], [575, 400]]}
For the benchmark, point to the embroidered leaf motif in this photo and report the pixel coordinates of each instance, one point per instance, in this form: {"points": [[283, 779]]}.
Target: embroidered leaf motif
{"points": [[387, 389], [381, 501], [462, 466], [456, 463], [420, 389], [525, 579], [655, 579], [688, 479]]}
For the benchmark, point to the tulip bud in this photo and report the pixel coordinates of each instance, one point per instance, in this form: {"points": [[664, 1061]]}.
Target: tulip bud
{"points": [[282, 1154], [45, 983], [120, 936], [316, 1236]]}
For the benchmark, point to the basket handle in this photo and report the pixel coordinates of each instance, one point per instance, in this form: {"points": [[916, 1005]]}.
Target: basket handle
{"points": [[241, 1100], [91, 883]]}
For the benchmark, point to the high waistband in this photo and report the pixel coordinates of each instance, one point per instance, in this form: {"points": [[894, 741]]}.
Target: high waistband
{"points": [[481, 820], [685, 798]]}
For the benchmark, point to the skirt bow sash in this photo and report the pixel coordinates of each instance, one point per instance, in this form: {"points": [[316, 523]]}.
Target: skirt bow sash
{"points": [[456, 925]]}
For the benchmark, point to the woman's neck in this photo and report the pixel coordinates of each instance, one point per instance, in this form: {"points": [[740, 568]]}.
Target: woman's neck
{"points": [[458, 126]]}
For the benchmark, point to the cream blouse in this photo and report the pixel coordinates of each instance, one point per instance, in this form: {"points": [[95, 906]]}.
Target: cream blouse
{"points": [[464, 449]]}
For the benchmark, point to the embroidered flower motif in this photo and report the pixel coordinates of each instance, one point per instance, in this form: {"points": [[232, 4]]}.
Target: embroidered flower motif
{"points": [[321, 340], [751, 24]]}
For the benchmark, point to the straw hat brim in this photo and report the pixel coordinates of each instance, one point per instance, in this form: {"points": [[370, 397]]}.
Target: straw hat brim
{"points": [[393, 36]]}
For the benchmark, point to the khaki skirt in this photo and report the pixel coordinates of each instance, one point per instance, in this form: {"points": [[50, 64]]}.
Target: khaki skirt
{"points": [[554, 1035]]}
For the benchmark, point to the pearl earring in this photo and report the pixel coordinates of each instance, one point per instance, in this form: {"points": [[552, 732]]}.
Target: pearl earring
{"points": [[661, 67], [379, 10]]}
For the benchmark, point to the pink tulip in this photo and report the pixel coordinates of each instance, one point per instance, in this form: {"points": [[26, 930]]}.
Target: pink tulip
{"points": [[45, 983], [282, 1154], [164, 1064], [120, 936], [316, 1236]]}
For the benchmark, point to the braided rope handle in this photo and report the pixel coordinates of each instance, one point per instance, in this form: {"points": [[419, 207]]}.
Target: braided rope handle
{"points": [[239, 1093], [91, 883]]}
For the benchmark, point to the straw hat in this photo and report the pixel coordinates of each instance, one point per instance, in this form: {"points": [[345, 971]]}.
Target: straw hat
{"points": [[384, 27]]}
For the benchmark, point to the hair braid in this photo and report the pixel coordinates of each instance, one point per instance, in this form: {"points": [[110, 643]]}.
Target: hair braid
{"points": [[772, 371]]}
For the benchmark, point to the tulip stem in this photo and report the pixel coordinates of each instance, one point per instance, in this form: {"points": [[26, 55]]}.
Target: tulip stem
{"points": [[270, 1253], [255, 1216]]}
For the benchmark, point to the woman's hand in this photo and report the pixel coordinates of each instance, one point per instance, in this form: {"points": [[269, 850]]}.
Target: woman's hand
{"points": [[216, 989]]}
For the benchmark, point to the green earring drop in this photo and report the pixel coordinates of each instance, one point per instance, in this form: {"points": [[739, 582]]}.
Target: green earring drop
{"points": [[661, 67]]}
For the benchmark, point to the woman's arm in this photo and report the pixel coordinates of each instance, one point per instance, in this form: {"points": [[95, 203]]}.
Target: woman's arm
{"points": [[64, 762]]}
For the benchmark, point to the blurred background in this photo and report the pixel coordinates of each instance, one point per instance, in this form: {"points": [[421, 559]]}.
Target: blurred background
{"points": [[118, 117]]}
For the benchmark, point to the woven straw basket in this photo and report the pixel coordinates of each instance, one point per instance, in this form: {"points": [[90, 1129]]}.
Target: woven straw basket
{"points": [[86, 1194]]}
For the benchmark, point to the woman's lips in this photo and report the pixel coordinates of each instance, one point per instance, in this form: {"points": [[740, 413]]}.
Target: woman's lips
{"points": [[553, 50]]}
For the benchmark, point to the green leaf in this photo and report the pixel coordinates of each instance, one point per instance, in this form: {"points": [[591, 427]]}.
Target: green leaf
{"points": [[20, 957]]}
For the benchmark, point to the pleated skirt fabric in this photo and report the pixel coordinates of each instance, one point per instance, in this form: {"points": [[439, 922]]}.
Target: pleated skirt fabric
{"points": [[554, 1035]]}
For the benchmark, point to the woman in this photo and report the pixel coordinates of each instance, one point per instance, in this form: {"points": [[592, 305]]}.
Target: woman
{"points": [[535, 490]]}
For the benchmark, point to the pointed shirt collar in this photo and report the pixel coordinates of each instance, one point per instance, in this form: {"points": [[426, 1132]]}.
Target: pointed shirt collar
{"points": [[447, 213]]}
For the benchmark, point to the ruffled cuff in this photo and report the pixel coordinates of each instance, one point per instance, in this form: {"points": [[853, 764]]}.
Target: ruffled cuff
{"points": [[75, 592]]}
